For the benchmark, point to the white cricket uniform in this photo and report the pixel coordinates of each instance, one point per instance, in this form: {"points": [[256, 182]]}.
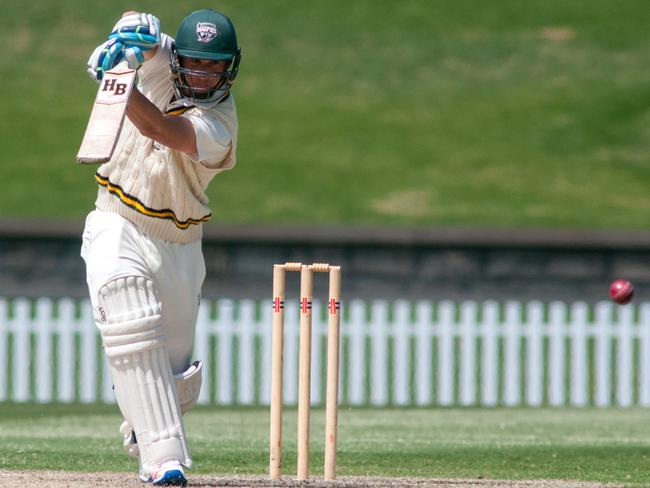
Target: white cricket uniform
{"points": [[151, 205]]}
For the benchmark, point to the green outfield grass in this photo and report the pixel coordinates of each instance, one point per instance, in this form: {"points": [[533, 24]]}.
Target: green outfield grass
{"points": [[610, 445], [426, 112]]}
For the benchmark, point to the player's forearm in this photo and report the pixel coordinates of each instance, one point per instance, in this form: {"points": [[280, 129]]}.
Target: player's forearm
{"points": [[174, 132], [144, 114]]}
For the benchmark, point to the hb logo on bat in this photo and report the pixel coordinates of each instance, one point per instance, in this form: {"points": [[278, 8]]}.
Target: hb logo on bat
{"points": [[113, 86], [107, 116]]}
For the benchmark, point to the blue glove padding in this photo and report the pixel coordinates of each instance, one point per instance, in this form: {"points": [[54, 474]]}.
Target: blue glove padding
{"points": [[110, 56], [135, 36]]}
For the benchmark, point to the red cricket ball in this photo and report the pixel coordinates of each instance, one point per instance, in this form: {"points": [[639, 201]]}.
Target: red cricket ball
{"points": [[621, 291]]}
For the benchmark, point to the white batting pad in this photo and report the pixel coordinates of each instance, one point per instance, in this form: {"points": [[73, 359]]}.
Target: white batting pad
{"points": [[135, 344], [188, 387]]}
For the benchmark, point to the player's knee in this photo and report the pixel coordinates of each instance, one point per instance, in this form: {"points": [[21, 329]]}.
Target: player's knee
{"points": [[130, 317]]}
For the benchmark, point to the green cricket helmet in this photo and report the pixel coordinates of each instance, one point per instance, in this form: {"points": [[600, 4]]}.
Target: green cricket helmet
{"points": [[205, 34]]}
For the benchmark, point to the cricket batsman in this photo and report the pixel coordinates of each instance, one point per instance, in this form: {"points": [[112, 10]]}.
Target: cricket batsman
{"points": [[142, 242]]}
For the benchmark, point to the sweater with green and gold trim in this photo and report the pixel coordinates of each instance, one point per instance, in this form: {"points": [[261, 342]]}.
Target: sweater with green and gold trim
{"points": [[160, 190]]}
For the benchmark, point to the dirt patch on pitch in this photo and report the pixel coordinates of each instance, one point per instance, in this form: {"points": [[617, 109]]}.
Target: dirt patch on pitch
{"points": [[59, 479]]}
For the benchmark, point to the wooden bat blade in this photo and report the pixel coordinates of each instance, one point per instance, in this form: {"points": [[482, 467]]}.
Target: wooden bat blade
{"points": [[107, 116]]}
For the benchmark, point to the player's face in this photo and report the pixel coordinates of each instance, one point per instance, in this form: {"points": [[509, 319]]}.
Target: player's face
{"points": [[205, 73]]}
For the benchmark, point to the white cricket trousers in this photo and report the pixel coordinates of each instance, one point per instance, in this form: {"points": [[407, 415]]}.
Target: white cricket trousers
{"points": [[113, 247]]}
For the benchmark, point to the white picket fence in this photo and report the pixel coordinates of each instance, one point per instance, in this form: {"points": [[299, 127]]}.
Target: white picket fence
{"points": [[392, 353]]}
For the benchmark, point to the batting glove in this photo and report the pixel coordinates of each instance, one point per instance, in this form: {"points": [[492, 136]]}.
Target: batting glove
{"points": [[137, 30], [109, 57], [133, 55], [104, 57]]}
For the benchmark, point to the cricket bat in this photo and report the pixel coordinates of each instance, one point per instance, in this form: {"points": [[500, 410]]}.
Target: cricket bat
{"points": [[107, 115]]}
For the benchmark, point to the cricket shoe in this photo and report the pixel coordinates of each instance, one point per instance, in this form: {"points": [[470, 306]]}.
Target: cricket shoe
{"points": [[169, 473]]}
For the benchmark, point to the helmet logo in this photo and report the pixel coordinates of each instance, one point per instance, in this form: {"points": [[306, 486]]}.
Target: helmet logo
{"points": [[206, 31]]}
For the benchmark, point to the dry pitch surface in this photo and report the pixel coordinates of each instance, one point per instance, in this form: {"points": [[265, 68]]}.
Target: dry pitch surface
{"points": [[59, 479]]}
